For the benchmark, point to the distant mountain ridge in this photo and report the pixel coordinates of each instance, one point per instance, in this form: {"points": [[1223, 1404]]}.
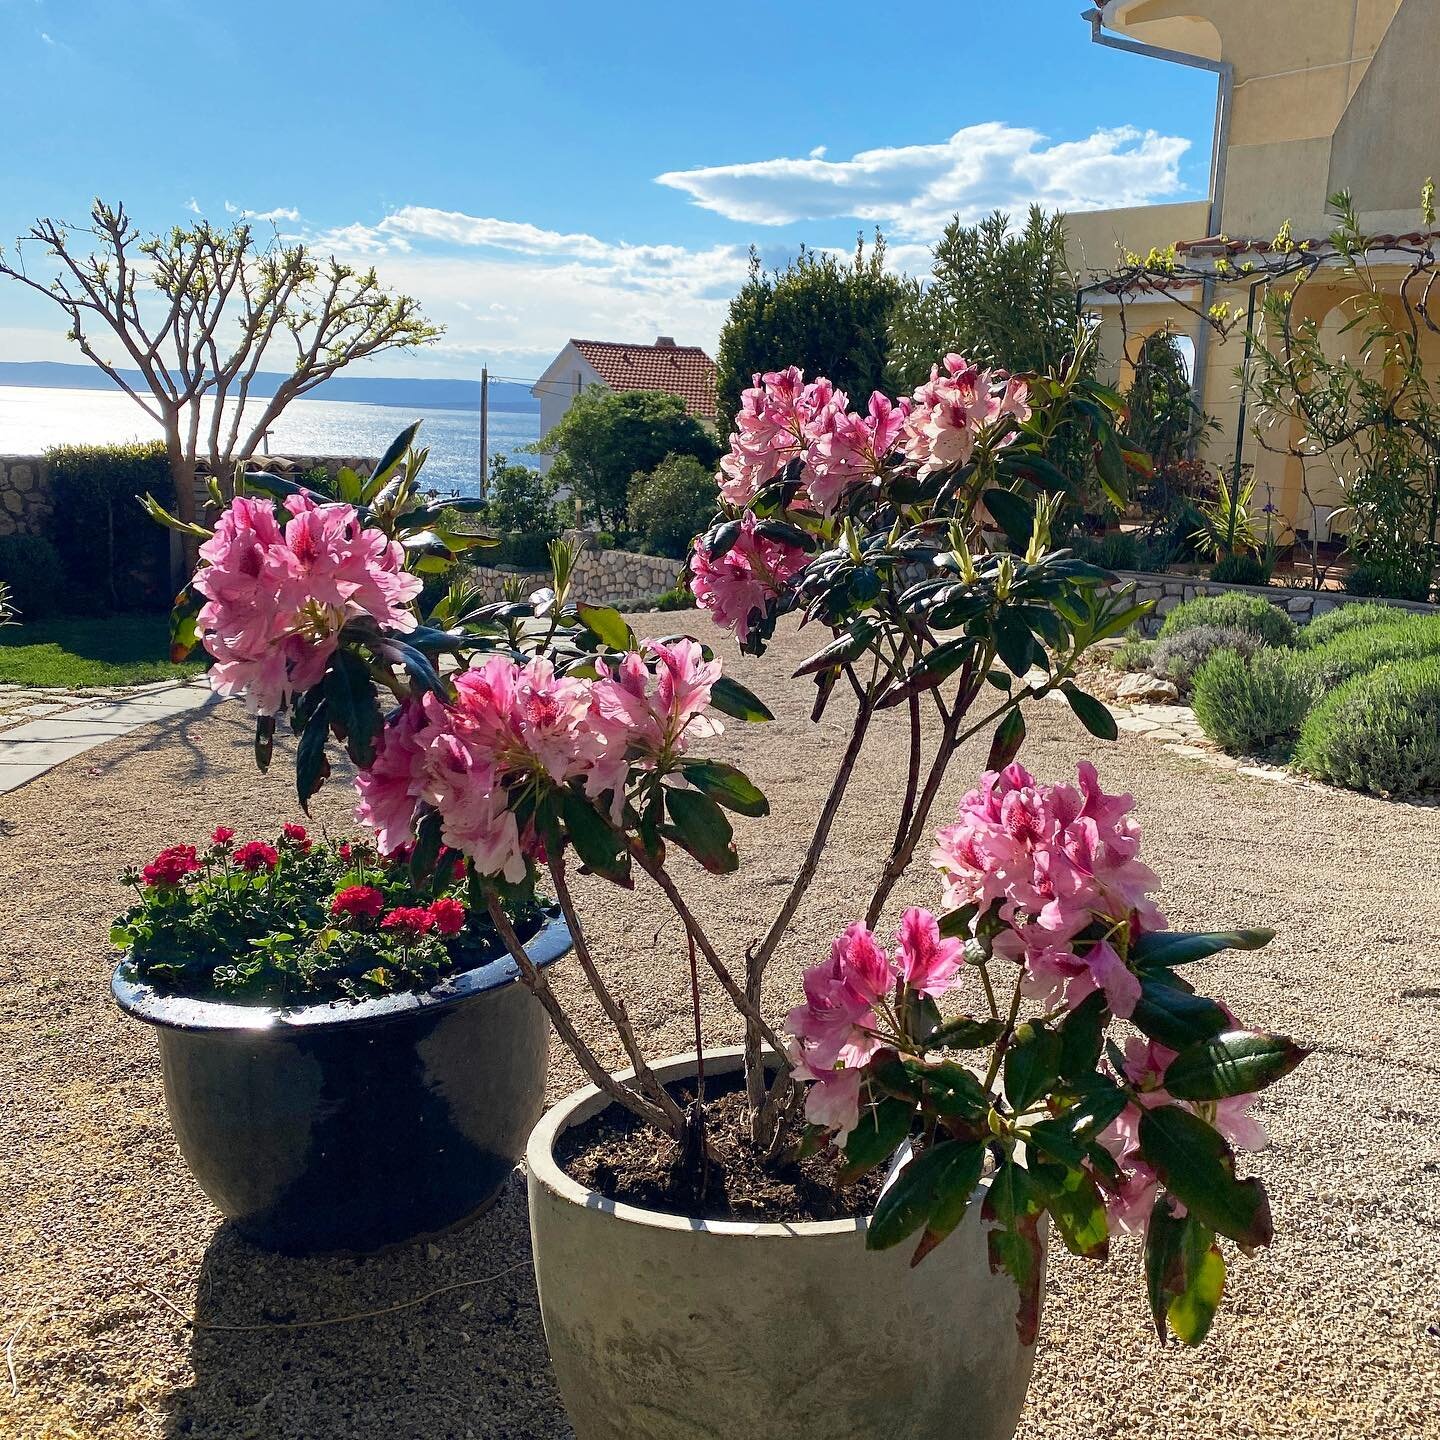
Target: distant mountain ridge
{"points": [[413, 394]]}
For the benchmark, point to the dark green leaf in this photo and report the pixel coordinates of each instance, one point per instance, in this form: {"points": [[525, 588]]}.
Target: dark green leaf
{"points": [[1184, 1273], [1237, 1062], [1197, 1165], [354, 706], [1174, 1016], [730, 697], [415, 663], [606, 625], [1014, 515], [1013, 1203], [951, 1091], [311, 767], [427, 849], [1013, 642], [840, 651], [1176, 947], [955, 924], [726, 785], [966, 1034], [1094, 716], [884, 1124], [264, 740], [933, 1190], [1074, 1202], [1081, 1032], [722, 538], [599, 844], [1009, 736], [1032, 1065], [701, 828], [394, 453]]}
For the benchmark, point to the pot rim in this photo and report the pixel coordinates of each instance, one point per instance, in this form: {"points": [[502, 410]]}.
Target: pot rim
{"points": [[142, 1001], [581, 1105]]}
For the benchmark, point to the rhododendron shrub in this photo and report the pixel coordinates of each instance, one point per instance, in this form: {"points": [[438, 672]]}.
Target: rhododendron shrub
{"points": [[298, 919], [531, 738], [1044, 896]]}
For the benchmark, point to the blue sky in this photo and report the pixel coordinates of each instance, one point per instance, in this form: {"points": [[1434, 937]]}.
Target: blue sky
{"points": [[534, 171]]}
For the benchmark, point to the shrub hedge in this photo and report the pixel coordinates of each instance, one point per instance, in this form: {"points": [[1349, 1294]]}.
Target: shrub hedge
{"points": [[1178, 657], [1355, 651], [115, 557], [1241, 612], [1345, 618], [1379, 732], [30, 566], [1246, 705]]}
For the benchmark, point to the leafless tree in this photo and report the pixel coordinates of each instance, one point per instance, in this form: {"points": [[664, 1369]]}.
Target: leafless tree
{"points": [[196, 310]]}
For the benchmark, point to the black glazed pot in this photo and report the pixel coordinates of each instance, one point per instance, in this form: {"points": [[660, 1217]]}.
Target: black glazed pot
{"points": [[351, 1125]]}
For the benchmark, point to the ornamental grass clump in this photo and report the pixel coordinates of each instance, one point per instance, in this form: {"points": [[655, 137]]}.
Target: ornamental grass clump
{"points": [[913, 533]]}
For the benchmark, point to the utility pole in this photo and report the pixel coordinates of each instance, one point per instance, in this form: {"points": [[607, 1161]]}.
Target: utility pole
{"points": [[484, 431]]}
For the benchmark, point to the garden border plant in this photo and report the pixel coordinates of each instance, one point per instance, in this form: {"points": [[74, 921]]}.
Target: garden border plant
{"points": [[560, 740]]}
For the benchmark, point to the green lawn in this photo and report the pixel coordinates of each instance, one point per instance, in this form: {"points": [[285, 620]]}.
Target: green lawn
{"points": [[80, 653]]}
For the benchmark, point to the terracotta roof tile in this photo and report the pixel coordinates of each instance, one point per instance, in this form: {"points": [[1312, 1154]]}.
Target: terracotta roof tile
{"points": [[683, 370]]}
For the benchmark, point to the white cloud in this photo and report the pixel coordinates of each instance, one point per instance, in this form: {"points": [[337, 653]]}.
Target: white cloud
{"points": [[281, 212], [45, 37], [193, 206], [914, 189]]}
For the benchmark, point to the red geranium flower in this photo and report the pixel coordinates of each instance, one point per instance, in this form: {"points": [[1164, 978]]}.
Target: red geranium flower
{"points": [[257, 855], [360, 902], [171, 866], [448, 915], [411, 919], [297, 837], [221, 835]]}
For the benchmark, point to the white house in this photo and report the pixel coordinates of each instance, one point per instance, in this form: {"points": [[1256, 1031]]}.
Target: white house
{"points": [[683, 370]]}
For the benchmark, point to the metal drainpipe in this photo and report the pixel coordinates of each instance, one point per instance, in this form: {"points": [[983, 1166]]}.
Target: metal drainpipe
{"points": [[1224, 96]]}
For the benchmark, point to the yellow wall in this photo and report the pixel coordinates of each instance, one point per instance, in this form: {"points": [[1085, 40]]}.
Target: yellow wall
{"points": [[1328, 94]]}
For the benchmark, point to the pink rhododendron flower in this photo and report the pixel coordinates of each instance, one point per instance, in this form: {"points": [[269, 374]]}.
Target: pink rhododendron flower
{"points": [[275, 599], [650, 717], [953, 408], [835, 1025], [1056, 978], [853, 448], [389, 788], [832, 1099], [743, 581], [926, 962]]}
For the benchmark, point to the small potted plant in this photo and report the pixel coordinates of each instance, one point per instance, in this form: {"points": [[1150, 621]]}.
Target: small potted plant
{"points": [[349, 1057], [707, 1226]]}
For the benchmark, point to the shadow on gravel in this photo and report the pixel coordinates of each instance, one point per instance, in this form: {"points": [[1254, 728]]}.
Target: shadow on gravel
{"points": [[467, 1361]]}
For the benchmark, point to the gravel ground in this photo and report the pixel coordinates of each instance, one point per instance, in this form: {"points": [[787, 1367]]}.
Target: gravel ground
{"points": [[1333, 1332]]}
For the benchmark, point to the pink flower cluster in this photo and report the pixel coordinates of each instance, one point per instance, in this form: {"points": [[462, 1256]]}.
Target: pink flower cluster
{"points": [[959, 402], [742, 582], [515, 727], [840, 1025], [1059, 860], [275, 598], [1145, 1063]]}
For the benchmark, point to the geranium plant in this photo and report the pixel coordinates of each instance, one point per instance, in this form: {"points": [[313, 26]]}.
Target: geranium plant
{"points": [[534, 736], [296, 919]]}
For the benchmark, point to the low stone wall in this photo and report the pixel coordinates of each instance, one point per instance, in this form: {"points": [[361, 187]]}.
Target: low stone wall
{"points": [[25, 506], [1168, 591], [620, 578]]}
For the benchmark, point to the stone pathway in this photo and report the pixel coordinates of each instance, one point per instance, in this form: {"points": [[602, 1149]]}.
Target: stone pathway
{"points": [[40, 729]]}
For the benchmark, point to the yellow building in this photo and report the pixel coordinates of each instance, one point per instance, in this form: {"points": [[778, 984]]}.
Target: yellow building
{"points": [[1313, 96]]}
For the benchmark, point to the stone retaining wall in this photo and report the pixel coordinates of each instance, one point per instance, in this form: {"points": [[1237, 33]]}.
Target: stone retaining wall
{"points": [[1168, 591], [620, 578], [26, 506]]}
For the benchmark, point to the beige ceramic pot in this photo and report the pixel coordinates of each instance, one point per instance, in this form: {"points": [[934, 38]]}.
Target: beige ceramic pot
{"points": [[667, 1328]]}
